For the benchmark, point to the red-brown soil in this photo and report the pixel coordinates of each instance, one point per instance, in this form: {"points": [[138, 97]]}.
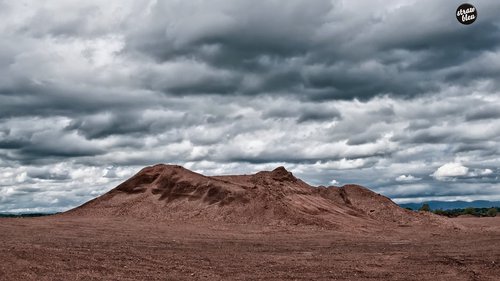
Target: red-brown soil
{"points": [[190, 233], [173, 193], [86, 248]]}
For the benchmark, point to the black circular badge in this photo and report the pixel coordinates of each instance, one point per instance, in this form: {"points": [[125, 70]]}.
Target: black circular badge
{"points": [[466, 13]]}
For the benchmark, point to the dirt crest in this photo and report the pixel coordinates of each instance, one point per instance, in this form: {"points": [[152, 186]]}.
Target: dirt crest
{"points": [[277, 197]]}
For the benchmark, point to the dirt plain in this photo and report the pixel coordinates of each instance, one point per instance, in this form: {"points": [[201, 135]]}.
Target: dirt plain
{"points": [[65, 248], [169, 223]]}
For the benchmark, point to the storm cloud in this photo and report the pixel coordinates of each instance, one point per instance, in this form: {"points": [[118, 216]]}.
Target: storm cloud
{"points": [[394, 95]]}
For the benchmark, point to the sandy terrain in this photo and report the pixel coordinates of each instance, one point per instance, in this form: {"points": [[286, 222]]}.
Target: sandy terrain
{"points": [[59, 248], [169, 223]]}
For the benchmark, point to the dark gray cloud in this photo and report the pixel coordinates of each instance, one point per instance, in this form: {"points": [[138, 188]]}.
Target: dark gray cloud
{"points": [[394, 95], [485, 112], [318, 115], [235, 33], [288, 49]]}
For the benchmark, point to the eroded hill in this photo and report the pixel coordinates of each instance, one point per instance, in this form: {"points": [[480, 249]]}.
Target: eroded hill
{"points": [[171, 192]]}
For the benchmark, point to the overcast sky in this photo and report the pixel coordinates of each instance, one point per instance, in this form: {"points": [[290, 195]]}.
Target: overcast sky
{"points": [[394, 95]]}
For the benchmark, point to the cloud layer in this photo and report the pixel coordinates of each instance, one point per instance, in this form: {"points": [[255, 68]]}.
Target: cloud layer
{"points": [[394, 95]]}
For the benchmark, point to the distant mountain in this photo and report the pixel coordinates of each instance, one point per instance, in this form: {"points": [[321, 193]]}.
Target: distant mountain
{"points": [[448, 205]]}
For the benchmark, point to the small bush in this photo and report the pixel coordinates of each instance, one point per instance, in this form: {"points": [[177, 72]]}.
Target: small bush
{"points": [[492, 212], [469, 211], [425, 207], [440, 212]]}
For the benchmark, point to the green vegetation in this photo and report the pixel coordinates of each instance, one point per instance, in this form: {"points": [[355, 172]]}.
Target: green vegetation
{"points": [[477, 212], [425, 207], [470, 211], [440, 212], [492, 212]]}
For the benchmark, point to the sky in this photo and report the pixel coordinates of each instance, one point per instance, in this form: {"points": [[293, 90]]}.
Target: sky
{"points": [[397, 96]]}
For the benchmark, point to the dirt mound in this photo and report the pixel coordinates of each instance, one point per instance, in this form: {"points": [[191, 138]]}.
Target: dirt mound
{"points": [[171, 192]]}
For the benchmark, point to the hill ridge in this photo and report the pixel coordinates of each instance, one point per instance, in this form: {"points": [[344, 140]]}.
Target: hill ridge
{"points": [[172, 192]]}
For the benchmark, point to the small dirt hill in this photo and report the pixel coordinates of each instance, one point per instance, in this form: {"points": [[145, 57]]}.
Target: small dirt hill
{"points": [[171, 192]]}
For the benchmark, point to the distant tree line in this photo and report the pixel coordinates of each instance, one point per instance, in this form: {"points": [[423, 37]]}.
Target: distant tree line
{"points": [[30, 215], [477, 212]]}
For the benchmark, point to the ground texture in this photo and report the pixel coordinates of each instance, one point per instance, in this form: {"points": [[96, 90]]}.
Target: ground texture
{"points": [[169, 223], [69, 248]]}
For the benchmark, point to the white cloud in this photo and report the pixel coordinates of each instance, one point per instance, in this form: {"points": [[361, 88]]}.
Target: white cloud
{"points": [[342, 164], [334, 182], [450, 170], [407, 178], [486, 172], [480, 172]]}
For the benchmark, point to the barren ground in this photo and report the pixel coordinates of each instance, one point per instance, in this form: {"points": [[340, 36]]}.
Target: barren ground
{"points": [[66, 248]]}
